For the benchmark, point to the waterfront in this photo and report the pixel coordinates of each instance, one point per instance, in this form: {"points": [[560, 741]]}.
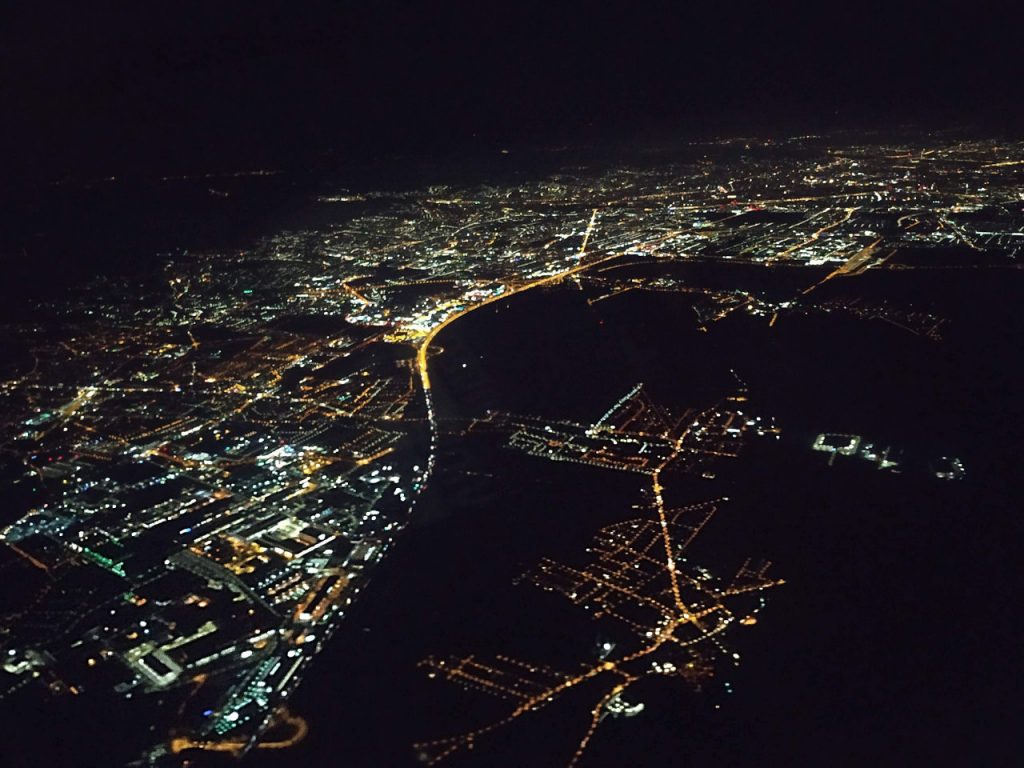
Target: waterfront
{"points": [[262, 409], [877, 564]]}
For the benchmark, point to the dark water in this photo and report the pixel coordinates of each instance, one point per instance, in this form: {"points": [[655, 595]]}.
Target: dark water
{"points": [[893, 640]]}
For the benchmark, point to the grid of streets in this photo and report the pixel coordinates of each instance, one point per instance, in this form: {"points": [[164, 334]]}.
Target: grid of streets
{"points": [[221, 457]]}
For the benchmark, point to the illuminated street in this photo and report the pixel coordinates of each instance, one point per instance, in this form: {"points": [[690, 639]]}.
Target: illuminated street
{"points": [[530, 385]]}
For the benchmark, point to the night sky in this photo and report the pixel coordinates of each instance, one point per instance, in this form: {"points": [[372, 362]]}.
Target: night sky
{"points": [[114, 88], [331, 93]]}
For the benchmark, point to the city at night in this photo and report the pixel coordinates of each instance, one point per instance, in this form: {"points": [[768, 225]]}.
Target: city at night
{"points": [[562, 387]]}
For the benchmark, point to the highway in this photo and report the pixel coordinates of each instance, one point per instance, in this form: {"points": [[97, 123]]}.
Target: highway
{"points": [[622, 672], [238, 748], [422, 352], [855, 265]]}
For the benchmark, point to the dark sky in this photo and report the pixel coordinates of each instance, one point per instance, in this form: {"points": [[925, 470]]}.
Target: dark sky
{"points": [[97, 87]]}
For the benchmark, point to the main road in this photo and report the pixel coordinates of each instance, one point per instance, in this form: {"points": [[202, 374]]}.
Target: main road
{"points": [[422, 352]]}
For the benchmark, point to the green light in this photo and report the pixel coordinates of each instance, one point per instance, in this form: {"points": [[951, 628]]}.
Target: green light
{"points": [[104, 562]]}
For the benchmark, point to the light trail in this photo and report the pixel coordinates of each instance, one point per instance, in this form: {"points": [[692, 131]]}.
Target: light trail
{"points": [[586, 235]]}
